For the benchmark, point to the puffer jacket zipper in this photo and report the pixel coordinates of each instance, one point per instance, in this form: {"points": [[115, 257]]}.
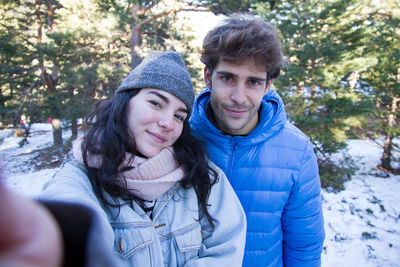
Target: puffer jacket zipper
{"points": [[231, 156]]}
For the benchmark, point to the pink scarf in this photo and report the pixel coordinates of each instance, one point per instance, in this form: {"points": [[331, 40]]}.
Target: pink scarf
{"points": [[147, 179]]}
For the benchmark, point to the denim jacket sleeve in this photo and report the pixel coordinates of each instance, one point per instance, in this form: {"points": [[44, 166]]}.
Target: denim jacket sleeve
{"points": [[225, 245], [70, 184]]}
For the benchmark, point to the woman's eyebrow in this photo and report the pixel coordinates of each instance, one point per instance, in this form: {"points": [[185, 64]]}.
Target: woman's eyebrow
{"points": [[163, 97], [183, 110], [166, 100]]}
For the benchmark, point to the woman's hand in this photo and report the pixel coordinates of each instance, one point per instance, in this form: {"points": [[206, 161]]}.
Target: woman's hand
{"points": [[29, 235]]}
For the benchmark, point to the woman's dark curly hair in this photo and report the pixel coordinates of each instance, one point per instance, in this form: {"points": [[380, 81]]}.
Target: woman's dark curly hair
{"points": [[106, 134]]}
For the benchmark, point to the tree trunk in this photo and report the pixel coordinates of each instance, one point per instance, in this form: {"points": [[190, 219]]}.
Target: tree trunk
{"points": [[386, 159], [136, 35], [57, 132], [136, 46], [312, 93], [49, 80], [50, 15], [74, 128], [21, 106], [138, 24]]}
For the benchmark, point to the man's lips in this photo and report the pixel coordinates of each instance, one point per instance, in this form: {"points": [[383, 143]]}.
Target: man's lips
{"points": [[235, 112], [158, 137]]}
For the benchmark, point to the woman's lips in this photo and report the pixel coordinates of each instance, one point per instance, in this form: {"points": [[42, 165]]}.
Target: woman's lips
{"points": [[158, 137]]}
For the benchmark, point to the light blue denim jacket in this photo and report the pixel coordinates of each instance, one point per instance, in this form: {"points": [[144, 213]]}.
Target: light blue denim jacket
{"points": [[175, 236]]}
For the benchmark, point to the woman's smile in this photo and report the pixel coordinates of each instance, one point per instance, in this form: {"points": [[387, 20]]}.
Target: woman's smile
{"points": [[158, 137], [155, 120]]}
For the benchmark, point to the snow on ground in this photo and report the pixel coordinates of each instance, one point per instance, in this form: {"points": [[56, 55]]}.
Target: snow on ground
{"points": [[362, 223]]}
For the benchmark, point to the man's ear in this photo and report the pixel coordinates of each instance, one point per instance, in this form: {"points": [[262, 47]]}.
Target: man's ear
{"points": [[268, 85], [207, 76]]}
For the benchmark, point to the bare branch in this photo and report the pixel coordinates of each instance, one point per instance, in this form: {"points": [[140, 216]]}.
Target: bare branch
{"points": [[182, 7], [27, 92], [154, 17], [196, 10], [151, 6]]}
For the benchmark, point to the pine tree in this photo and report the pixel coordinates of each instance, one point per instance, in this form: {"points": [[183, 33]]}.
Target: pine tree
{"points": [[383, 77], [17, 52], [324, 45]]}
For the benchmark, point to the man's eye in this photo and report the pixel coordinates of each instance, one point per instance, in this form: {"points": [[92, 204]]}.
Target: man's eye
{"points": [[254, 82], [226, 78]]}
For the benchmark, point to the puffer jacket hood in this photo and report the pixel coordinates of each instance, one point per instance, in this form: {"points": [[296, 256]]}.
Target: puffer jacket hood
{"points": [[272, 120]]}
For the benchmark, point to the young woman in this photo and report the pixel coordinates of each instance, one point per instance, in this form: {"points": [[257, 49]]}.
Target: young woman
{"points": [[159, 200]]}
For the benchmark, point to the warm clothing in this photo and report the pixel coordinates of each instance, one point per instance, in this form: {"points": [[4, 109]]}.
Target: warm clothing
{"points": [[145, 178], [275, 175], [82, 244], [175, 236], [163, 70]]}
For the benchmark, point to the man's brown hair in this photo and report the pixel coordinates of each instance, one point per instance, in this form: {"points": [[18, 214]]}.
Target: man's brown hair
{"points": [[241, 37]]}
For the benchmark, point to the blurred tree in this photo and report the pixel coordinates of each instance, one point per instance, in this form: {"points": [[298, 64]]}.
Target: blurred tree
{"points": [[44, 12], [324, 43], [383, 78], [138, 19], [58, 58], [17, 53], [90, 58]]}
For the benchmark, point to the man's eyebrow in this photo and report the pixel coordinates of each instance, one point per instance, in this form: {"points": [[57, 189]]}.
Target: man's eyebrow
{"points": [[221, 72], [258, 79], [166, 100], [225, 73]]}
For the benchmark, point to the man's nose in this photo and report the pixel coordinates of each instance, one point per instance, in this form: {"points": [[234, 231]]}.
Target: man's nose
{"points": [[239, 94]]}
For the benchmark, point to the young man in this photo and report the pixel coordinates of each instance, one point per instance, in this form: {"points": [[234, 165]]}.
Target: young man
{"points": [[269, 162]]}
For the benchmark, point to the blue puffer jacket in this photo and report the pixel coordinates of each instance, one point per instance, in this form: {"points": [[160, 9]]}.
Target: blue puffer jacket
{"points": [[275, 175]]}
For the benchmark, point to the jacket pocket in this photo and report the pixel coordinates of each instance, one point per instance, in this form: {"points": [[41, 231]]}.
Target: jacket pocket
{"points": [[188, 242], [129, 240]]}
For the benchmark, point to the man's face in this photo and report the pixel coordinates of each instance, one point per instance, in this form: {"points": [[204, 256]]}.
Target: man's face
{"points": [[236, 94]]}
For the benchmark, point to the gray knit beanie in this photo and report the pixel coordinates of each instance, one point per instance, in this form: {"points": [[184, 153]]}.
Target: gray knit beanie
{"points": [[163, 70]]}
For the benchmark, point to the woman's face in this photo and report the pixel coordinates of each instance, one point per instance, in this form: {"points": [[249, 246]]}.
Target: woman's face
{"points": [[155, 120]]}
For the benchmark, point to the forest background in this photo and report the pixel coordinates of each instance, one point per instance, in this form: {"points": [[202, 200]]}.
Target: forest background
{"points": [[341, 78]]}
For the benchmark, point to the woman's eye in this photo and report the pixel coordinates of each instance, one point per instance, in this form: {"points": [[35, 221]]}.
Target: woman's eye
{"points": [[155, 103], [179, 117]]}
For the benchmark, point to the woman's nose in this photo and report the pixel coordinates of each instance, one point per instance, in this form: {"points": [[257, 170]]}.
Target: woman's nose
{"points": [[167, 122]]}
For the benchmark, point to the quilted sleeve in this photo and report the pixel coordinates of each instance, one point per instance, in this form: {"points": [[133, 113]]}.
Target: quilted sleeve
{"points": [[302, 219]]}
